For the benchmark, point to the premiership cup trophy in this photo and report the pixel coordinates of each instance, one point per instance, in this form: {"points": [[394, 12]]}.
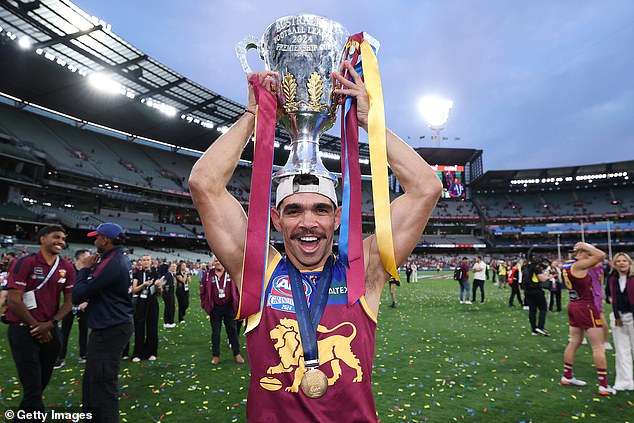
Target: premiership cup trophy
{"points": [[304, 50]]}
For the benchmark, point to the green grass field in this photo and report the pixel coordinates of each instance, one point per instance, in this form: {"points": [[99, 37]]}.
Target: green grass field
{"points": [[436, 361]]}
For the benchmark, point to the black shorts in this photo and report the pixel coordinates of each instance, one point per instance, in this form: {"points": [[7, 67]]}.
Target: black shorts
{"points": [[394, 282]]}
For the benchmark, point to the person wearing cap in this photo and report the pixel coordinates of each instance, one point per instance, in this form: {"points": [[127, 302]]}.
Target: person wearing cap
{"points": [[306, 212], [35, 284], [103, 279]]}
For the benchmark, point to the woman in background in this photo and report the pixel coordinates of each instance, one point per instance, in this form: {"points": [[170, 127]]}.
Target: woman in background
{"points": [[621, 294], [183, 279]]}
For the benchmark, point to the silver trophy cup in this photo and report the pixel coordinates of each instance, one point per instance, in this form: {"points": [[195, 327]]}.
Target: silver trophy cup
{"points": [[304, 50]]}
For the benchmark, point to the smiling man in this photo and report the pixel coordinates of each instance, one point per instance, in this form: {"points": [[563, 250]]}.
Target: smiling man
{"points": [[287, 381], [35, 285]]}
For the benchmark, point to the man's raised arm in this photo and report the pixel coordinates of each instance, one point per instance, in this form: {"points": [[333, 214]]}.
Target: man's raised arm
{"points": [[593, 257], [410, 211], [223, 218]]}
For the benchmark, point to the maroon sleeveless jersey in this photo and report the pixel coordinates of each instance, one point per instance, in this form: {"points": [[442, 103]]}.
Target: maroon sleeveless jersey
{"points": [[345, 338], [582, 312], [581, 286]]}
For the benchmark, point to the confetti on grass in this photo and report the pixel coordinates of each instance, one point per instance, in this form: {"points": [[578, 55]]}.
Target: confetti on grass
{"points": [[436, 361]]}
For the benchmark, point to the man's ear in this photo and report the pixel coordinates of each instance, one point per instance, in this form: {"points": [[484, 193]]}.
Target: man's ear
{"points": [[337, 217], [275, 218]]}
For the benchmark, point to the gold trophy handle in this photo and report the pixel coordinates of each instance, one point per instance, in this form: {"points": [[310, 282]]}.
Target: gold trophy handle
{"points": [[248, 43]]}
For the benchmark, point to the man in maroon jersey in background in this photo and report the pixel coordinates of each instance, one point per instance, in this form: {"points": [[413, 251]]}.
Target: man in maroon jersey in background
{"points": [[35, 285]]}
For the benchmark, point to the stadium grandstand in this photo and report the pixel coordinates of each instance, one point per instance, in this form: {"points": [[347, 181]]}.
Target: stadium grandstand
{"points": [[92, 129]]}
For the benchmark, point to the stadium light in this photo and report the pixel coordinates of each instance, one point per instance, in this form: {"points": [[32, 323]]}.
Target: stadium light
{"points": [[104, 82], [435, 111], [25, 43], [161, 107]]}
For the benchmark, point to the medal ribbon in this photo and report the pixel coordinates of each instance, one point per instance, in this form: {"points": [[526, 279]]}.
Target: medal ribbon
{"points": [[308, 317], [257, 240]]}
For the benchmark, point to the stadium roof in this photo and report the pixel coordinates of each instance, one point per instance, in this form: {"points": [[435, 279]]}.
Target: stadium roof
{"points": [[49, 48], [593, 172], [448, 156]]}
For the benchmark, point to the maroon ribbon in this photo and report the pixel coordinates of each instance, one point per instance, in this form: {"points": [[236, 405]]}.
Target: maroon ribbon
{"points": [[257, 242], [355, 274]]}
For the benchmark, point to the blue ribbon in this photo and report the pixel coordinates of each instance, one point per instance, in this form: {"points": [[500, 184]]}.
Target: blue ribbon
{"points": [[308, 317], [344, 232]]}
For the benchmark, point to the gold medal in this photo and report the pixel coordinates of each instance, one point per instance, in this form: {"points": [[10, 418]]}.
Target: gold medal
{"points": [[314, 383]]}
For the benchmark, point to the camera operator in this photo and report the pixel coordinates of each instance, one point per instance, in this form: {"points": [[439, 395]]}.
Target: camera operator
{"points": [[534, 273]]}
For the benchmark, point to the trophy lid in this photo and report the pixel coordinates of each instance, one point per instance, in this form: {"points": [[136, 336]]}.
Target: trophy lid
{"points": [[303, 18]]}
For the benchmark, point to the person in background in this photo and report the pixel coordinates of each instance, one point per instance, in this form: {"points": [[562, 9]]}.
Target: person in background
{"points": [[5, 265], [162, 268], [145, 285], [408, 271], [183, 279], [502, 270], [67, 324], [494, 272], [169, 286], [36, 284], [464, 281], [219, 298], [103, 280], [515, 281], [556, 284], [584, 316], [621, 294], [393, 284], [479, 270], [598, 294], [533, 276]]}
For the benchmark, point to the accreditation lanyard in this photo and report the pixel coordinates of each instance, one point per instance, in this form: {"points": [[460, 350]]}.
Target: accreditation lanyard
{"points": [[148, 289], [221, 291], [50, 273], [308, 317]]}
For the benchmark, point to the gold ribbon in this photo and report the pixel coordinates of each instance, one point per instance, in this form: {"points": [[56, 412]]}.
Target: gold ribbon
{"points": [[378, 159]]}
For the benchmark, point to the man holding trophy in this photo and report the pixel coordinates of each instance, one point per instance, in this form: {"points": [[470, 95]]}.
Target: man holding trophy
{"points": [[310, 331]]}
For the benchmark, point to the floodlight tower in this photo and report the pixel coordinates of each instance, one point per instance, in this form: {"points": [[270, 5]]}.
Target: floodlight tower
{"points": [[435, 111]]}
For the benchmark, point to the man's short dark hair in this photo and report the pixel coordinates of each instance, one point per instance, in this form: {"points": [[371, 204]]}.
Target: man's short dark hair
{"points": [[80, 252], [49, 229], [120, 240], [306, 179]]}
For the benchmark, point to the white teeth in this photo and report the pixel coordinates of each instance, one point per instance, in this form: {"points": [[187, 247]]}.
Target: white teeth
{"points": [[308, 238]]}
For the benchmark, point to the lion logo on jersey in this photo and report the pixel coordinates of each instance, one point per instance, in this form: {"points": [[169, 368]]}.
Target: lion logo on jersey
{"points": [[332, 350]]}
